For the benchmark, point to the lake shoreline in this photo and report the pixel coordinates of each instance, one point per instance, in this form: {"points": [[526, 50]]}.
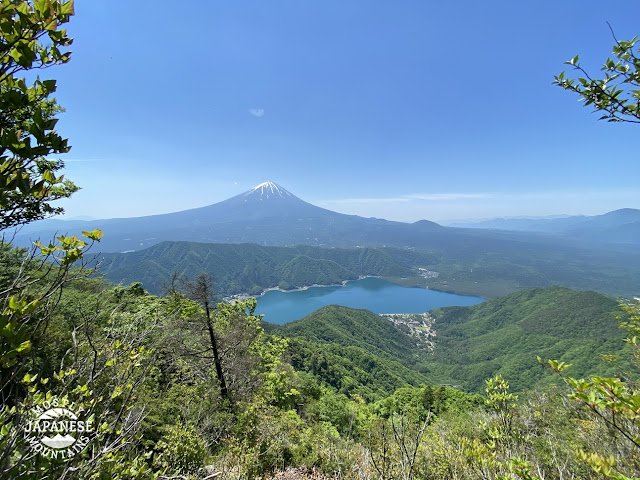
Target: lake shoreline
{"points": [[307, 287], [244, 296]]}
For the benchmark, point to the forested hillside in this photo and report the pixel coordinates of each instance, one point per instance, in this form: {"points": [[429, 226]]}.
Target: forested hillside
{"points": [[318, 397], [503, 336], [482, 266], [250, 268], [350, 327]]}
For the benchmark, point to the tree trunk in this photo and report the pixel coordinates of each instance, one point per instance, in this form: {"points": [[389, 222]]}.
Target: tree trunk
{"points": [[216, 356]]}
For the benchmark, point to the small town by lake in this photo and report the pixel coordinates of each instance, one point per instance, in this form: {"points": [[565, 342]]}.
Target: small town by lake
{"points": [[374, 294]]}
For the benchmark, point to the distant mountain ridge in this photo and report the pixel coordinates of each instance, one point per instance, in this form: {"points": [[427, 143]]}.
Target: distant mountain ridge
{"points": [[618, 226], [268, 214]]}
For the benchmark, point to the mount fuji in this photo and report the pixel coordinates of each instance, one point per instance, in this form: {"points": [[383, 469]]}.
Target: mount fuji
{"points": [[268, 214]]}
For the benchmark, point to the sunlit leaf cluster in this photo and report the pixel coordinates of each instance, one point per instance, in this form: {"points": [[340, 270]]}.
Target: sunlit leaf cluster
{"points": [[617, 95]]}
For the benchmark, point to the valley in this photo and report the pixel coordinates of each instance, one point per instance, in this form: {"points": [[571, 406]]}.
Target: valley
{"points": [[359, 322], [530, 279], [558, 275]]}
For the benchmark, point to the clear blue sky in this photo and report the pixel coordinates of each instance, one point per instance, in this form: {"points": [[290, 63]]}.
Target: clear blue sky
{"points": [[402, 110]]}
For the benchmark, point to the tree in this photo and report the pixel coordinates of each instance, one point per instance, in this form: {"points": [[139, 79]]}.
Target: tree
{"points": [[32, 284], [201, 291], [227, 335], [99, 354], [28, 298], [614, 403], [30, 39], [617, 95]]}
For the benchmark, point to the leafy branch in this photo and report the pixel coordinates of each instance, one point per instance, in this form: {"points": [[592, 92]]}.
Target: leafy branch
{"points": [[617, 95]]}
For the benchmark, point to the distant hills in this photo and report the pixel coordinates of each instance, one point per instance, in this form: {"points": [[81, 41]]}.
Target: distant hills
{"points": [[271, 215], [472, 344], [596, 253], [619, 226]]}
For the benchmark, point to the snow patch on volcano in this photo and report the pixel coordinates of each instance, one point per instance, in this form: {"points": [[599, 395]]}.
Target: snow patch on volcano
{"points": [[268, 190]]}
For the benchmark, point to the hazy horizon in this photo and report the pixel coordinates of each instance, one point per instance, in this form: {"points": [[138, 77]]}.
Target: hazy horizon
{"points": [[330, 205], [405, 112]]}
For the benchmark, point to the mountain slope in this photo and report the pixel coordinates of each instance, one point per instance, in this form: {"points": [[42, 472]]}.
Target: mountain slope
{"points": [[352, 327], [506, 334], [267, 214], [478, 265], [250, 268], [355, 351]]}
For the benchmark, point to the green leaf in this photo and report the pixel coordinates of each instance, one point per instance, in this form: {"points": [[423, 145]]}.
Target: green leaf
{"points": [[94, 234], [24, 347], [49, 176], [67, 8], [14, 304]]}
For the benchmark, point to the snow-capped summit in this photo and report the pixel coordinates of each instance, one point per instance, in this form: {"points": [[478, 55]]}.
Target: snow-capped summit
{"points": [[269, 200], [267, 214], [269, 189]]}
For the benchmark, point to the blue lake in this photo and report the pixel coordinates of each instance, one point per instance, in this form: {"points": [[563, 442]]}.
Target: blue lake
{"points": [[374, 294]]}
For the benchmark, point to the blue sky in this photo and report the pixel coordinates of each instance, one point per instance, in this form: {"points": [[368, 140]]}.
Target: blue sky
{"points": [[402, 110]]}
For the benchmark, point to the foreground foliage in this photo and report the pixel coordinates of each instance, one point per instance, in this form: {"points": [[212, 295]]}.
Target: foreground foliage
{"points": [[30, 39], [142, 367]]}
